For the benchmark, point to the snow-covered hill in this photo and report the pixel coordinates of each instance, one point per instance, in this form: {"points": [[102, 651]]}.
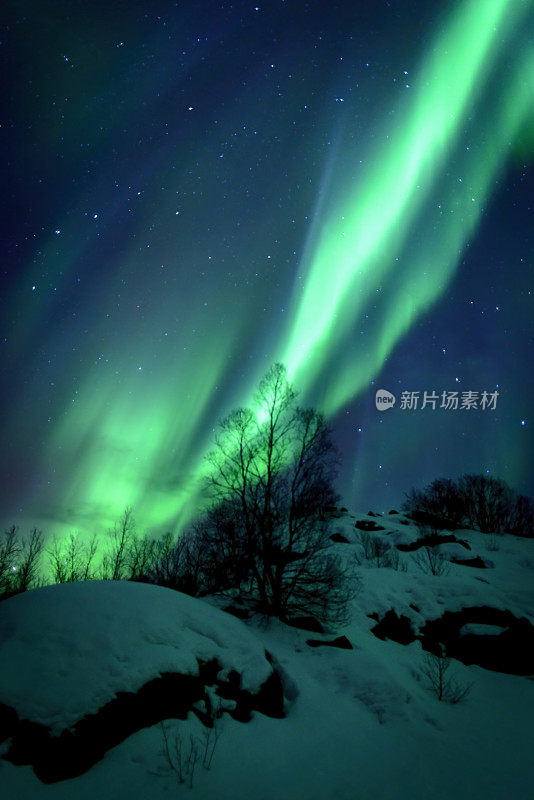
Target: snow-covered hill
{"points": [[84, 665]]}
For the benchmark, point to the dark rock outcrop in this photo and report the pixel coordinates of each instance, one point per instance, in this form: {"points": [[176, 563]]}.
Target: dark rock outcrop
{"points": [[169, 696], [338, 537], [510, 651], [304, 623], [341, 642], [398, 629], [368, 525], [477, 562], [432, 540]]}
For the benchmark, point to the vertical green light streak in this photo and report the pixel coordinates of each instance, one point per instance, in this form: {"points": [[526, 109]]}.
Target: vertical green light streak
{"points": [[385, 252], [354, 256]]}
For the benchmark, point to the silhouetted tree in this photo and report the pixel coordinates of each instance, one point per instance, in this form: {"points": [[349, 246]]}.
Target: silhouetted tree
{"points": [[521, 519], [25, 575], [72, 560], [487, 501], [177, 563], [440, 505], [475, 501], [445, 687], [10, 549], [115, 561], [271, 475]]}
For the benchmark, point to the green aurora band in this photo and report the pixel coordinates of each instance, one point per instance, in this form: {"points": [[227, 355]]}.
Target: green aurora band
{"points": [[359, 251], [391, 243]]}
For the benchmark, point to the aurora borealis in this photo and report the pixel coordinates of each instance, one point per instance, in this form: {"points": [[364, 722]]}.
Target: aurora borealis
{"points": [[197, 190]]}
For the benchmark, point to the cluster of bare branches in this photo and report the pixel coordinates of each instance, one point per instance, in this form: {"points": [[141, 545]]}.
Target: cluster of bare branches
{"points": [[184, 755], [380, 552], [19, 561], [271, 475], [435, 670], [474, 501], [72, 559], [431, 561]]}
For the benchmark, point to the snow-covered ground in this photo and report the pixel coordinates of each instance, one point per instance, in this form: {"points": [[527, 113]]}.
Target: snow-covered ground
{"points": [[360, 724]]}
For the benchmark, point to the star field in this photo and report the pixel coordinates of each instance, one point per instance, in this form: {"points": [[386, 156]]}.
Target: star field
{"points": [[196, 190]]}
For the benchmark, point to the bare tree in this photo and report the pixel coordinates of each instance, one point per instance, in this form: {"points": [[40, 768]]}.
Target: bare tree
{"points": [[488, 502], [71, 560], [174, 562], [115, 561], [27, 570], [10, 549], [521, 518], [271, 475], [440, 504], [139, 560], [477, 501]]}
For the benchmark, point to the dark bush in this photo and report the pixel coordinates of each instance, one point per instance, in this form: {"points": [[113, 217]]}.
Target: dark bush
{"points": [[481, 502]]}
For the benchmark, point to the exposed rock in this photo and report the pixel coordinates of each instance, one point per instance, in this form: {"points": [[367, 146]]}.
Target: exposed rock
{"points": [[434, 521], [338, 537], [171, 696], [470, 562], [512, 651], [304, 623], [391, 626], [433, 540], [240, 613], [368, 525], [340, 641]]}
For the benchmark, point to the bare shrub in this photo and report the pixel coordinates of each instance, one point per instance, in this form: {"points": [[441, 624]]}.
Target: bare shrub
{"points": [[431, 561], [381, 552], [444, 686], [394, 561], [492, 543], [180, 755], [183, 755]]}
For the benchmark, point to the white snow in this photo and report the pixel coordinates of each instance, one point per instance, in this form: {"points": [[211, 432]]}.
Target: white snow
{"points": [[361, 723], [66, 650]]}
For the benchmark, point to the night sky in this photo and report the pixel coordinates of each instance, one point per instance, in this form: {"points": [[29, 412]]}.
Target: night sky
{"points": [[194, 190]]}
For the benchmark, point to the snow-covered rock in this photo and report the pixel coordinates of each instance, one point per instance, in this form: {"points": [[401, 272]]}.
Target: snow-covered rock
{"points": [[67, 650]]}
